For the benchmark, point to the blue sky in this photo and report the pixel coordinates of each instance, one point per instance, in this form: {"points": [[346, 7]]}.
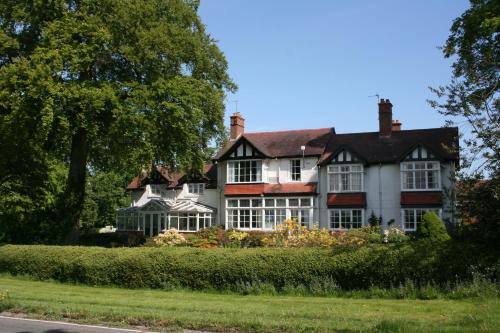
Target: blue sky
{"points": [[310, 64]]}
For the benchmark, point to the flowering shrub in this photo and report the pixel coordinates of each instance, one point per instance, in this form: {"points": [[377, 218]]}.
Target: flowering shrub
{"points": [[5, 301], [291, 234], [169, 237], [395, 235], [236, 235]]}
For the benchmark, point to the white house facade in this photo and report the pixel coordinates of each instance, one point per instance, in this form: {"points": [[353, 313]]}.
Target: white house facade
{"points": [[315, 176]]}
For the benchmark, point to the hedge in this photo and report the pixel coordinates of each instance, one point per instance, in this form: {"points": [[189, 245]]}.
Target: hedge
{"points": [[350, 267]]}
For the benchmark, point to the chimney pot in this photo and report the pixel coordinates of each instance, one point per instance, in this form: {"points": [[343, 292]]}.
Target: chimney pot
{"points": [[237, 123]]}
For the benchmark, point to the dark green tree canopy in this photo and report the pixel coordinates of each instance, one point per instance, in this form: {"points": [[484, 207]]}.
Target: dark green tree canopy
{"points": [[109, 85]]}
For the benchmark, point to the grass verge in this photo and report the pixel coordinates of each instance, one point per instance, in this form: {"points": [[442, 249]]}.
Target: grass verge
{"points": [[171, 310]]}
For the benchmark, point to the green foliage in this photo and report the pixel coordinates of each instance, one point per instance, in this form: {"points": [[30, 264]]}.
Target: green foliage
{"points": [[105, 85], [472, 97], [432, 228], [112, 239], [105, 192], [374, 265]]}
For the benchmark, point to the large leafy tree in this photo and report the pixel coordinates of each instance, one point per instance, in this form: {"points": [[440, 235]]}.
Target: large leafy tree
{"points": [[472, 99], [107, 85]]}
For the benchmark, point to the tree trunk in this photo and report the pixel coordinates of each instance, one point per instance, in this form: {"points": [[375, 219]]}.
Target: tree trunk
{"points": [[75, 189]]}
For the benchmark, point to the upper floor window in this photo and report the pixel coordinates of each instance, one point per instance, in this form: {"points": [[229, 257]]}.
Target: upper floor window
{"points": [[345, 178], [295, 170], [196, 188], [158, 189], [248, 171], [420, 175]]}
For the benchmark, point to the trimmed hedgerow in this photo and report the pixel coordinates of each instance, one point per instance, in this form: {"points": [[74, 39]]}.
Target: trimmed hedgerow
{"points": [[363, 267]]}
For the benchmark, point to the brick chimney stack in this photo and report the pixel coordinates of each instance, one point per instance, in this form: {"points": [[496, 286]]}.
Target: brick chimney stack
{"points": [[385, 117], [396, 125], [237, 126]]}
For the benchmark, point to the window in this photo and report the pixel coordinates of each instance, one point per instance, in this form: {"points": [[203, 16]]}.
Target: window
{"points": [[420, 176], [257, 213], [295, 170], [158, 189], [197, 188], [244, 171], [345, 178], [346, 218], [411, 217]]}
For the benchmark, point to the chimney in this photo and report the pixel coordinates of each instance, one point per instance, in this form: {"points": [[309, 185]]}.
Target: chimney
{"points": [[237, 126], [396, 125], [385, 118]]}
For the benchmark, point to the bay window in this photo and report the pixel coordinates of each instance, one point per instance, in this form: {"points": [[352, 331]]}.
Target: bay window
{"points": [[266, 213], [341, 219], [345, 178], [420, 176], [413, 216], [246, 171]]}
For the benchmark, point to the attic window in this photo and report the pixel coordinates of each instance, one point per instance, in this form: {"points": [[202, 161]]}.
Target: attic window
{"points": [[196, 188]]}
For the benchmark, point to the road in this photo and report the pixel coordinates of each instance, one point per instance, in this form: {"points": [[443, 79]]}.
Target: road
{"points": [[21, 325]]}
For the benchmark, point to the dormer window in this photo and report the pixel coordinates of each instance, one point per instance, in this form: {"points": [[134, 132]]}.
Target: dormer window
{"points": [[345, 178], [245, 171], [420, 176], [295, 170], [196, 188]]}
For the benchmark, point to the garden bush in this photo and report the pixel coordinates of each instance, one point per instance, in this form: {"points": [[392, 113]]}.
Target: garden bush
{"points": [[113, 239], [345, 267], [432, 227]]}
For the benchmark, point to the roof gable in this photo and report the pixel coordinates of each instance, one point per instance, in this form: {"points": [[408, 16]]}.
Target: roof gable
{"points": [[283, 143], [441, 142]]}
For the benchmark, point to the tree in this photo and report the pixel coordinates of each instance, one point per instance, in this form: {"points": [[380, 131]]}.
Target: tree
{"points": [[108, 85], [432, 228], [473, 94]]}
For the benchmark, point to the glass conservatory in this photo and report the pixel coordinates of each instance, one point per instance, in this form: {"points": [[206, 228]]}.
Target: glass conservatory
{"points": [[159, 214]]}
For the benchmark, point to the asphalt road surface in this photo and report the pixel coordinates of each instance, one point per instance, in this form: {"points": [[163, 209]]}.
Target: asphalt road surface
{"points": [[21, 325]]}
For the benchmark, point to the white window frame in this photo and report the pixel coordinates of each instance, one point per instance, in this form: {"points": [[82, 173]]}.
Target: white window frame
{"points": [[292, 173], [196, 188], [330, 174], [350, 210], [233, 181], [404, 171], [424, 210], [261, 210]]}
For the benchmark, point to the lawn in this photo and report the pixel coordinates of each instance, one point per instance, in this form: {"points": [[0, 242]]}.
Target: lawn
{"points": [[171, 310]]}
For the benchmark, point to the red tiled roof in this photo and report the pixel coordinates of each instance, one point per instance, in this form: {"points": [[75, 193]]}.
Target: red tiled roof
{"points": [[284, 143], [353, 200], [421, 199], [269, 189]]}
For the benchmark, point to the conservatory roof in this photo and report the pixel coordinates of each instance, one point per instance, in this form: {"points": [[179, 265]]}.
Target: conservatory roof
{"points": [[179, 205]]}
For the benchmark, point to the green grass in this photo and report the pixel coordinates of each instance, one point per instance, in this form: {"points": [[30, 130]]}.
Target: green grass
{"points": [[168, 310]]}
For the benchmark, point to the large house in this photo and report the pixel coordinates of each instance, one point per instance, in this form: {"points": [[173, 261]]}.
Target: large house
{"points": [[315, 176]]}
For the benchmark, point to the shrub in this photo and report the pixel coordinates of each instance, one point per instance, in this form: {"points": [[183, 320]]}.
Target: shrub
{"points": [[5, 301], [340, 267], [113, 239], [169, 237], [395, 235], [432, 228], [291, 234]]}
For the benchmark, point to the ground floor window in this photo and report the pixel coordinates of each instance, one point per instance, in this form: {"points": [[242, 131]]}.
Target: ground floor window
{"points": [[266, 213], [341, 219], [412, 216]]}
